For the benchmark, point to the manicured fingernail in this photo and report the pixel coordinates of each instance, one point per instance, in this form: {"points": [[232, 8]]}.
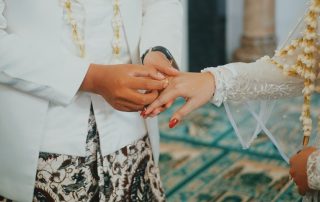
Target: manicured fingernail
{"points": [[160, 76], [173, 123], [145, 116], [143, 112]]}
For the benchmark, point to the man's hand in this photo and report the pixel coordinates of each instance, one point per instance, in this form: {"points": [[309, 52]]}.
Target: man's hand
{"points": [[120, 85], [159, 61], [298, 169]]}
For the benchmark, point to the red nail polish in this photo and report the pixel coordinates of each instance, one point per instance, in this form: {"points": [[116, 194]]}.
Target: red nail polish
{"points": [[145, 116], [173, 123], [143, 113]]}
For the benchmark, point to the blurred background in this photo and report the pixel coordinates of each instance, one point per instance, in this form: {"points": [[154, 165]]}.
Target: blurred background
{"points": [[213, 28], [202, 160]]}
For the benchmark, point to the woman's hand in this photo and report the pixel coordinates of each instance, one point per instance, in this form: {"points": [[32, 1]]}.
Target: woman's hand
{"points": [[298, 169], [196, 88], [162, 64]]}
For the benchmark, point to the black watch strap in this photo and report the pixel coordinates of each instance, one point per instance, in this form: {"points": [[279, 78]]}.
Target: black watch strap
{"points": [[165, 51]]}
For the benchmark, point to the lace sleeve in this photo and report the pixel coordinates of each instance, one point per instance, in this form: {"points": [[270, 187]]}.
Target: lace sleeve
{"points": [[260, 80], [313, 170], [254, 94]]}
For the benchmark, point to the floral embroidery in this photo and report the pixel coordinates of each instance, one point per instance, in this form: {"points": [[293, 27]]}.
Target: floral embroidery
{"points": [[128, 174]]}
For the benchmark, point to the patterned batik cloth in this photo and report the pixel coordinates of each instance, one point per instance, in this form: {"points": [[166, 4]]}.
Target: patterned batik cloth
{"points": [[129, 174]]}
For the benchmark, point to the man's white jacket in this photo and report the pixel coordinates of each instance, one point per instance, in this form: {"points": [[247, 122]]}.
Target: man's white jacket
{"points": [[36, 68]]}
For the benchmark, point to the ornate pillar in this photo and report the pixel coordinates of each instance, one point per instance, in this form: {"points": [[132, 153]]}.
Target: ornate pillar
{"points": [[259, 31]]}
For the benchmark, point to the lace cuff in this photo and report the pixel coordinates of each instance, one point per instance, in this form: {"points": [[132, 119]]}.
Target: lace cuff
{"points": [[313, 170], [223, 80], [260, 80]]}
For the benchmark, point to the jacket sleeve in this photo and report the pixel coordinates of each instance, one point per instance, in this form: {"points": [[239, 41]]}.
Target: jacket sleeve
{"points": [[42, 70], [162, 26]]}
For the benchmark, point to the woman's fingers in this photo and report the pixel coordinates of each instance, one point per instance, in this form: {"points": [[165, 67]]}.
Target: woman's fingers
{"points": [[169, 104], [166, 96], [159, 110], [188, 107]]}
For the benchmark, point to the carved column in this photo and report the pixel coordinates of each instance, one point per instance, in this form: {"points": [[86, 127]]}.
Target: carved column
{"points": [[259, 31]]}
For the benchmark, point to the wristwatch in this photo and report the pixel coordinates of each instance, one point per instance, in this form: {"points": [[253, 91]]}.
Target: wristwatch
{"points": [[165, 51]]}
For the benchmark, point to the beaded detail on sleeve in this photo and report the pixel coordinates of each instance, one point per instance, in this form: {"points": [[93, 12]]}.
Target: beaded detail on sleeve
{"points": [[254, 81], [222, 83], [313, 170], [305, 48], [246, 89]]}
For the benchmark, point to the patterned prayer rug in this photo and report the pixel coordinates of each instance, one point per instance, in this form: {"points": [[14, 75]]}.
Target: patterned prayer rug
{"points": [[202, 160]]}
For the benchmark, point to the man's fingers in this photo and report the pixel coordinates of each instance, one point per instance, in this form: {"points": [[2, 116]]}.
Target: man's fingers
{"points": [[132, 107], [163, 98], [148, 71], [167, 69], [126, 106], [141, 99], [163, 65], [148, 84]]}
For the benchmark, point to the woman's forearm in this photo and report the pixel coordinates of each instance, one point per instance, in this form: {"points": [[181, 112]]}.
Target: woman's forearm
{"points": [[260, 80]]}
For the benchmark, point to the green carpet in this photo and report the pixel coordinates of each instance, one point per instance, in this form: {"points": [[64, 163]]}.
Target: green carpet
{"points": [[202, 160]]}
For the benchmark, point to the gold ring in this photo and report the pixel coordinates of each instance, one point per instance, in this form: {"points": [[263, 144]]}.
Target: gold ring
{"points": [[166, 82]]}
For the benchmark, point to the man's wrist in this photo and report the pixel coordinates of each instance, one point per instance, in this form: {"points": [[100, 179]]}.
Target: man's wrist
{"points": [[88, 83], [150, 56], [164, 52]]}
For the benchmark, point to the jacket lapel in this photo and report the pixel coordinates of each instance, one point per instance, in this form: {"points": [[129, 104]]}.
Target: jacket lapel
{"points": [[131, 13]]}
